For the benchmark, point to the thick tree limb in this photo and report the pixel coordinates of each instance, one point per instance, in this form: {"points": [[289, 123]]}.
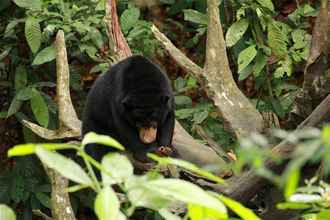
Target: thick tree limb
{"points": [[70, 125], [220, 85], [247, 185], [316, 84], [61, 206], [117, 43], [183, 61]]}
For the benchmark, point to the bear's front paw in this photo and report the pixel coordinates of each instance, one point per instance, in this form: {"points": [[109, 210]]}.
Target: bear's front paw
{"points": [[164, 151]]}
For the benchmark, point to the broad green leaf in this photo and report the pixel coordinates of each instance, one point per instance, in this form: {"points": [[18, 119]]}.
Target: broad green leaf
{"points": [[184, 113], [195, 16], [20, 77], [10, 27], [238, 208], [119, 168], [266, 4], [92, 137], [293, 205], [323, 214], [260, 63], [96, 37], [246, 72], [246, 56], [33, 33], [29, 4], [277, 40], [107, 204], [285, 68], [143, 197], [277, 107], [305, 198], [6, 213], [183, 100], [168, 215], [26, 149], [186, 165], [186, 192], [39, 108], [197, 212], [65, 166], [46, 55], [292, 182], [25, 94], [199, 117], [44, 199], [15, 105], [129, 18], [236, 32]]}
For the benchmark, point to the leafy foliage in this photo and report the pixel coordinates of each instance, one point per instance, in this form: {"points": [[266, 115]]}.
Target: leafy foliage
{"points": [[151, 190]]}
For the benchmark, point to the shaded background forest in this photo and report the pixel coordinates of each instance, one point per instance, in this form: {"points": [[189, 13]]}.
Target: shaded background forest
{"points": [[268, 46]]}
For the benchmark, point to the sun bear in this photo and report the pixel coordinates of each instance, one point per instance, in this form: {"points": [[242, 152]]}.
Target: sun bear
{"points": [[133, 102]]}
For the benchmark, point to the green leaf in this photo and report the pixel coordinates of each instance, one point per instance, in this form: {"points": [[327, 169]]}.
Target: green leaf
{"points": [[25, 94], [186, 192], [96, 37], [277, 40], [92, 137], [277, 106], [184, 113], [292, 205], [246, 72], [260, 63], [195, 16], [20, 77], [29, 4], [183, 100], [15, 105], [26, 149], [246, 56], [46, 55], [129, 18], [44, 199], [116, 168], [199, 117], [197, 212], [33, 33], [39, 108], [292, 182], [239, 209], [10, 27], [6, 213], [107, 204], [285, 67], [236, 32], [186, 165], [168, 215], [267, 4], [66, 167]]}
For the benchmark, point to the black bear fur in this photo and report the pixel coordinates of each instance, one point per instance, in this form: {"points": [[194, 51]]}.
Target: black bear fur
{"points": [[133, 93]]}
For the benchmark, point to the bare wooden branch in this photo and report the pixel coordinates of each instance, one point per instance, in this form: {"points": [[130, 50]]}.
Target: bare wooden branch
{"points": [[70, 125], [242, 116], [179, 57], [117, 42], [67, 114], [217, 78], [61, 206], [243, 188]]}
